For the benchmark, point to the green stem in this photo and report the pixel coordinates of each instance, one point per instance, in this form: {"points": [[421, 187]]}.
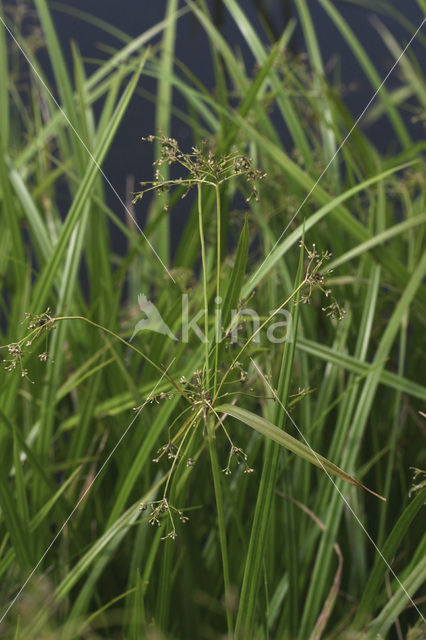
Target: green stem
{"points": [[177, 457], [204, 265], [211, 438], [120, 339], [218, 260], [254, 334]]}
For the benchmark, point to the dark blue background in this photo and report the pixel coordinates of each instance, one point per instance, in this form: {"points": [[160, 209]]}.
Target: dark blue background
{"points": [[130, 156]]}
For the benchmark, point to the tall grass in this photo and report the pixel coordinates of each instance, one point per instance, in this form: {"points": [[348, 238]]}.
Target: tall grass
{"points": [[162, 488]]}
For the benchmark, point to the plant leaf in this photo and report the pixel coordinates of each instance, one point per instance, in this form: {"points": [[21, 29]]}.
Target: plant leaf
{"points": [[273, 432]]}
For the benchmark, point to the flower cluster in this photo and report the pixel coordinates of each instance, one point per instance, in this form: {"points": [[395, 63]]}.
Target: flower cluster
{"points": [[160, 508], [241, 457], [168, 449], [15, 359], [37, 324], [195, 391], [315, 278], [202, 166]]}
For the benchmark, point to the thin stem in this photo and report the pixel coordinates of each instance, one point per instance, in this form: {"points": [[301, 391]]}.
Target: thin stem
{"points": [[113, 334], [204, 266], [211, 438], [218, 263], [159, 368], [254, 334], [176, 458]]}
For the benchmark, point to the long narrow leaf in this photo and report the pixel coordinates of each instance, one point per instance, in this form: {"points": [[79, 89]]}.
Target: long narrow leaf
{"points": [[300, 449]]}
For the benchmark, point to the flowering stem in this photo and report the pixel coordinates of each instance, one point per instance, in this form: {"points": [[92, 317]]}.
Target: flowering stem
{"points": [[120, 339], [192, 421], [211, 439], [218, 261], [254, 334], [204, 266]]}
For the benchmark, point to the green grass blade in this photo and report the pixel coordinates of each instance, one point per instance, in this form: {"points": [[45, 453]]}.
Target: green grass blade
{"points": [[331, 206], [15, 526], [370, 71], [389, 550], [61, 77], [163, 117], [327, 134], [236, 278], [259, 530], [284, 439], [4, 89], [359, 421], [286, 107], [43, 285], [379, 238], [356, 365], [397, 603]]}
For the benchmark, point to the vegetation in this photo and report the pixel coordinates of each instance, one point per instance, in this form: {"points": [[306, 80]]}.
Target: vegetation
{"points": [[265, 482]]}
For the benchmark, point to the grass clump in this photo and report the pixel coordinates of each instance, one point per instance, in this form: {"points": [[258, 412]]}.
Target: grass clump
{"points": [[273, 367]]}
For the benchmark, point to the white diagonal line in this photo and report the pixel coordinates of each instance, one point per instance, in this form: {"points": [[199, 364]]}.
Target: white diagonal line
{"points": [[83, 495], [340, 147], [79, 138], [340, 493]]}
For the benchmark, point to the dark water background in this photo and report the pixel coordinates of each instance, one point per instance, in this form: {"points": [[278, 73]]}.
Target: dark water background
{"points": [[131, 157]]}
